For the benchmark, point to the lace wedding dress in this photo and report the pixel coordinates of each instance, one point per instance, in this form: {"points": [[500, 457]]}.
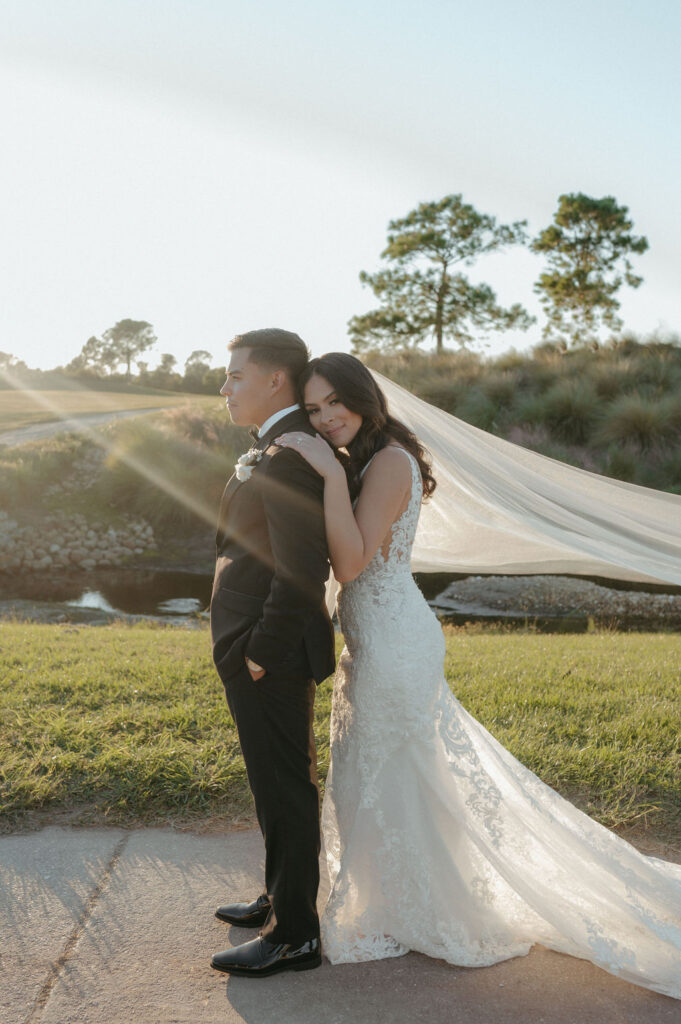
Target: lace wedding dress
{"points": [[438, 840]]}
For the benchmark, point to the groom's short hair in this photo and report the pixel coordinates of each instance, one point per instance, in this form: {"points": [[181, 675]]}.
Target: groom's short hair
{"points": [[276, 348]]}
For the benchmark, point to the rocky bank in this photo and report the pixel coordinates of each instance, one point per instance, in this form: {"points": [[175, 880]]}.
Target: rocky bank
{"points": [[70, 542]]}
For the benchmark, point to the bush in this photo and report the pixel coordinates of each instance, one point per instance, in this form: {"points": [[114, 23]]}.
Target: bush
{"points": [[621, 462], [501, 388], [169, 468], [571, 410], [611, 381], [171, 481], [615, 409], [479, 410], [28, 471], [211, 428], [641, 421]]}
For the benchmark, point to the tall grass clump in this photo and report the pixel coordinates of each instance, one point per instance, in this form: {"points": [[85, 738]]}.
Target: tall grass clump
{"points": [[478, 409], [170, 471], [29, 470], [168, 468], [633, 419], [613, 408], [570, 410]]}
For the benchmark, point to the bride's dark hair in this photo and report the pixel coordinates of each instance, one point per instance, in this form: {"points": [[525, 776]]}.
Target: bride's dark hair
{"points": [[359, 392]]}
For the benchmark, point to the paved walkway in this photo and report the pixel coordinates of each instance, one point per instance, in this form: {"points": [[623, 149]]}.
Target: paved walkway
{"points": [[79, 424], [104, 926]]}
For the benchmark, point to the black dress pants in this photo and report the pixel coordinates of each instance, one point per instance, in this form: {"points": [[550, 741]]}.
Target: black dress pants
{"points": [[273, 716]]}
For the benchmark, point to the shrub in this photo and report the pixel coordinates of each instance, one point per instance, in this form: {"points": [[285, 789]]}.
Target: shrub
{"points": [[501, 388], [659, 371], [529, 410], [211, 428], [610, 379], [641, 421], [571, 410], [28, 471], [173, 482], [478, 409], [621, 462], [665, 471]]}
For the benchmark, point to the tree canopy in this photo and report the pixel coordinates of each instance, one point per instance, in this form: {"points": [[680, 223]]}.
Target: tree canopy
{"points": [[127, 340], [587, 249], [122, 343], [420, 296]]}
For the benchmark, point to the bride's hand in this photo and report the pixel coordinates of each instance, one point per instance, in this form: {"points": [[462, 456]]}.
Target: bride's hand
{"points": [[314, 450]]}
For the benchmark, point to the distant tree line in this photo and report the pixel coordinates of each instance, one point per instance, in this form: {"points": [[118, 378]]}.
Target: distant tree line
{"points": [[128, 341], [423, 294], [107, 362]]}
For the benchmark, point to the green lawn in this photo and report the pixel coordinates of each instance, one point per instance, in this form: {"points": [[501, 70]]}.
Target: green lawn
{"points": [[24, 408], [129, 724]]}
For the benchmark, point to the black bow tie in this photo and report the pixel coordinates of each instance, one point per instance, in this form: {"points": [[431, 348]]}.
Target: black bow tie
{"points": [[255, 434]]}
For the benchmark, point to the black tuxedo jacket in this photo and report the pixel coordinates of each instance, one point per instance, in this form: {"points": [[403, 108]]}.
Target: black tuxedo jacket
{"points": [[268, 599]]}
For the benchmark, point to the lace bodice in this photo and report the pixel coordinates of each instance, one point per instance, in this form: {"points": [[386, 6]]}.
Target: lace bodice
{"points": [[397, 558]]}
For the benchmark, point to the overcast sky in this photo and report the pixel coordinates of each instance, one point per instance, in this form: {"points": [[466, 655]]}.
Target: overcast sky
{"points": [[213, 167]]}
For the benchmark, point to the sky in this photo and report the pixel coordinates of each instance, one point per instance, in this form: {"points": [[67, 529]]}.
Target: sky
{"points": [[213, 167]]}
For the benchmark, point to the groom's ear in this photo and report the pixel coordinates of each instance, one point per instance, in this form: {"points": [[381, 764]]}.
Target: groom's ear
{"points": [[279, 379]]}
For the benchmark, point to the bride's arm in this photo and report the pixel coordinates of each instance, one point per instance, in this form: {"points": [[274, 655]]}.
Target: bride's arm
{"points": [[354, 536]]}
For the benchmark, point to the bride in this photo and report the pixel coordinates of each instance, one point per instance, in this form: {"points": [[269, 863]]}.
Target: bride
{"points": [[437, 839]]}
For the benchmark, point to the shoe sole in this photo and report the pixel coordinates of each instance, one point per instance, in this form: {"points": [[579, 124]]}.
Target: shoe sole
{"points": [[242, 924], [245, 972]]}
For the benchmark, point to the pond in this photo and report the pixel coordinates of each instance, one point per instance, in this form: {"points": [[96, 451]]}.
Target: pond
{"points": [[151, 593], [181, 597]]}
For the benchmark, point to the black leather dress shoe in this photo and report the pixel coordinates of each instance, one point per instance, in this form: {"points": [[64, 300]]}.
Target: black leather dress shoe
{"points": [[260, 958], [245, 915]]}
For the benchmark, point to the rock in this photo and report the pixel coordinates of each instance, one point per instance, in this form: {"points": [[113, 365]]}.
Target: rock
{"points": [[54, 548]]}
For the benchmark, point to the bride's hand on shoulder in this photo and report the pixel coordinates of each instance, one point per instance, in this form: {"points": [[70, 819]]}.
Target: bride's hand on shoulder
{"points": [[314, 450]]}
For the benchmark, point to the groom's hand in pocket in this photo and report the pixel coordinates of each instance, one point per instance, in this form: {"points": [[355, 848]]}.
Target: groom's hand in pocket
{"points": [[256, 671]]}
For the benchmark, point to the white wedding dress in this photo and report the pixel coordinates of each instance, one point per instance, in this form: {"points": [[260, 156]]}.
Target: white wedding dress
{"points": [[438, 840]]}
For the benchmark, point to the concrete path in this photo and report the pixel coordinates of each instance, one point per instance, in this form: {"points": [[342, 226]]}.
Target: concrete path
{"points": [[104, 926], [79, 424]]}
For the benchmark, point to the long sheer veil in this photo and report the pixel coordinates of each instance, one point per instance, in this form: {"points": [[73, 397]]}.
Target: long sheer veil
{"points": [[499, 508]]}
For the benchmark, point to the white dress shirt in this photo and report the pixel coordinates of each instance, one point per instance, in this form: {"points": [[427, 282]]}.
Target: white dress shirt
{"points": [[275, 417]]}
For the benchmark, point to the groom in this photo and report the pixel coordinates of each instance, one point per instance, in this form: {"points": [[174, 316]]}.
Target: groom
{"points": [[272, 640]]}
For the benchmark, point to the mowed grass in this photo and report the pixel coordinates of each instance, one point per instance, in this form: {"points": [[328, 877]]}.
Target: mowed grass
{"points": [[24, 408], [129, 724]]}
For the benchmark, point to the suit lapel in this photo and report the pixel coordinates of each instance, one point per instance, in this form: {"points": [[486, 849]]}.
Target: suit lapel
{"points": [[296, 420]]}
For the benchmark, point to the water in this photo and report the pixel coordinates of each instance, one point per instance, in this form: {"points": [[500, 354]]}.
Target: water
{"points": [[169, 595], [182, 596]]}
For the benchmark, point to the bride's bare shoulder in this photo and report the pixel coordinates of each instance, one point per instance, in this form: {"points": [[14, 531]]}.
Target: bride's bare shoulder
{"points": [[389, 468]]}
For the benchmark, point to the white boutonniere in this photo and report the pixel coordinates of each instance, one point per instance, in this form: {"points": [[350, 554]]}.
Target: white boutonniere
{"points": [[245, 463]]}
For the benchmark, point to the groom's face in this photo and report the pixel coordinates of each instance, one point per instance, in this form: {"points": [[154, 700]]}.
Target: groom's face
{"points": [[248, 389]]}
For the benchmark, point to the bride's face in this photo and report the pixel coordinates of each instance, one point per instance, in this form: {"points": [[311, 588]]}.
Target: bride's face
{"points": [[334, 421]]}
